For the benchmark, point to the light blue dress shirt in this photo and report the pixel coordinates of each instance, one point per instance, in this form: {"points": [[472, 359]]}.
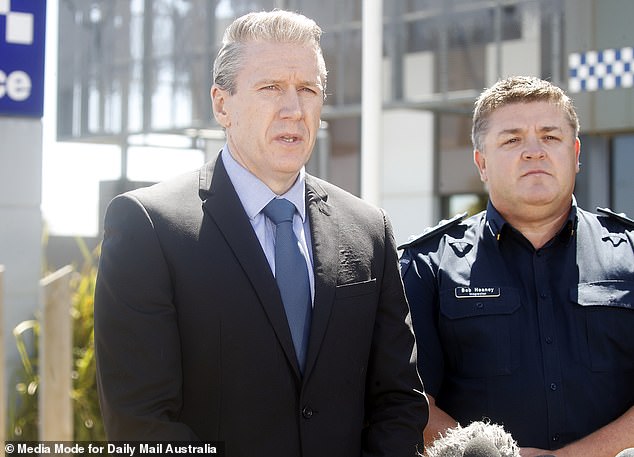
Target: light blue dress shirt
{"points": [[255, 195]]}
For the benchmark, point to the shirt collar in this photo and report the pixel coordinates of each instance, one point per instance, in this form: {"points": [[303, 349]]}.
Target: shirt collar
{"points": [[494, 221], [254, 194], [569, 230], [497, 225]]}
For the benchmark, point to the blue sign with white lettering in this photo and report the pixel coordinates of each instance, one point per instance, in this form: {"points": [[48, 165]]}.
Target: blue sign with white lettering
{"points": [[22, 38]]}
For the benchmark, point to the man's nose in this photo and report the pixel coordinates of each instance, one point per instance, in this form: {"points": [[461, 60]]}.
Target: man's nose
{"points": [[291, 104], [533, 149]]}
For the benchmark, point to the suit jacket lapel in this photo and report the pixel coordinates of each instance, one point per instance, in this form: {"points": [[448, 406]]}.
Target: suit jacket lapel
{"points": [[222, 204], [325, 240]]}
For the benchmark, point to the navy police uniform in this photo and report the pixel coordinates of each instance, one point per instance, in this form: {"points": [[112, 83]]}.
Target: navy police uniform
{"points": [[540, 341]]}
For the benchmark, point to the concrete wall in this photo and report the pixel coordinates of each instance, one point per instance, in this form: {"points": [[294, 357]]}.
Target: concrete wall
{"points": [[408, 171], [408, 157], [20, 224]]}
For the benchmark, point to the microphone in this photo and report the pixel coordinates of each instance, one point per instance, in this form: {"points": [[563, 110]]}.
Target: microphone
{"points": [[629, 452], [478, 439], [480, 447]]}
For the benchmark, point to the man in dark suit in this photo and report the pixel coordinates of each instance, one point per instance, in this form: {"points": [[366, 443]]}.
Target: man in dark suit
{"points": [[195, 337]]}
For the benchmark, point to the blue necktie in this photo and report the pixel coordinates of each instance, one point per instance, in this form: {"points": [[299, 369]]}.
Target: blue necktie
{"points": [[291, 275]]}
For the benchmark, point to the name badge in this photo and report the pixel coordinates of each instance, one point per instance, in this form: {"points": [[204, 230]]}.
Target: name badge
{"points": [[477, 292]]}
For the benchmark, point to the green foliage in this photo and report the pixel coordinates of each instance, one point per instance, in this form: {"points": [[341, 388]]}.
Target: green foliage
{"points": [[23, 398], [22, 405]]}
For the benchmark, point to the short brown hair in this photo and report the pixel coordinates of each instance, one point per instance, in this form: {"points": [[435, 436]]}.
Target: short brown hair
{"points": [[518, 89]]}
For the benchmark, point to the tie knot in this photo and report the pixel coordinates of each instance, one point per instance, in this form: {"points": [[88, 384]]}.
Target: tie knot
{"points": [[279, 210]]}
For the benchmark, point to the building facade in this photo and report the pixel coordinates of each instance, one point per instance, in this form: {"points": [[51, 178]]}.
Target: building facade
{"points": [[135, 72]]}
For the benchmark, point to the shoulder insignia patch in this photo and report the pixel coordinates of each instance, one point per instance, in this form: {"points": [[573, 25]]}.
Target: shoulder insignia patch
{"points": [[441, 227], [621, 217]]}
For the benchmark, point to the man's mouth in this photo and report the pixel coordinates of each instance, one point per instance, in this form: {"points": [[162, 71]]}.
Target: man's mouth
{"points": [[536, 172]]}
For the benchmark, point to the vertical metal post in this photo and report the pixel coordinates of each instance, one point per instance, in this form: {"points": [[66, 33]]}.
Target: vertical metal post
{"points": [[497, 31], [126, 78], [556, 57], [56, 337], [3, 403], [211, 48], [396, 50], [371, 101], [323, 148], [148, 64]]}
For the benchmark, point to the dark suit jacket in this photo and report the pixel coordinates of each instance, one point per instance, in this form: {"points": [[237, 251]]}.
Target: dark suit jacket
{"points": [[192, 340]]}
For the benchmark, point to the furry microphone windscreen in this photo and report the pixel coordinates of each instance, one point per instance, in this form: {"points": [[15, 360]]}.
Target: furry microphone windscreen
{"points": [[480, 447], [479, 436]]}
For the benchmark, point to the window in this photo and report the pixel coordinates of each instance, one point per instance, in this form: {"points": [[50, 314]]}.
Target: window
{"points": [[622, 182]]}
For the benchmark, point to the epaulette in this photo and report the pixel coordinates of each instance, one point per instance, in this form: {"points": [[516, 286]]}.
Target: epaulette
{"points": [[442, 226], [621, 217]]}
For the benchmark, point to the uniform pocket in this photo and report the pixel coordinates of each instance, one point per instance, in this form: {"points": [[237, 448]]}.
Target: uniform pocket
{"points": [[480, 330], [608, 309]]}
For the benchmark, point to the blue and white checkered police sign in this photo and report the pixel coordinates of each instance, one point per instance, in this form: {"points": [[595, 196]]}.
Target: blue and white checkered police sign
{"points": [[601, 70], [22, 37]]}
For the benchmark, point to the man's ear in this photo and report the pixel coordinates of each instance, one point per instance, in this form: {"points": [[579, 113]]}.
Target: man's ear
{"points": [[480, 162], [218, 100], [577, 153]]}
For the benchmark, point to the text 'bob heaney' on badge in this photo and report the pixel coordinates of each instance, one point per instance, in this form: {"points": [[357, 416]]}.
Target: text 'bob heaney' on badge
{"points": [[477, 292]]}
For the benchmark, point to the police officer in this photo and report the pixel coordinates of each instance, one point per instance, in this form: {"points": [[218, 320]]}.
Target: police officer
{"points": [[524, 313]]}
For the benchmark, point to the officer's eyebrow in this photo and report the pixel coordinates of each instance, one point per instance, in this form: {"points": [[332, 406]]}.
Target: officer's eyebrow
{"points": [[550, 128], [517, 130], [509, 131]]}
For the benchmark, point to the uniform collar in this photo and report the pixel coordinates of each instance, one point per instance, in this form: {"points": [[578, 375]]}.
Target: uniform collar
{"points": [[495, 223], [497, 226]]}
